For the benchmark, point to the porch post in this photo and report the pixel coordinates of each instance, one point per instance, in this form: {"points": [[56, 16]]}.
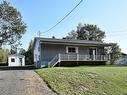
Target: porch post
{"points": [[59, 59], [77, 57], [94, 55]]}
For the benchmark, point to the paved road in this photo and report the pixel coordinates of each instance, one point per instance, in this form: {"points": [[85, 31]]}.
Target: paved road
{"points": [[22, 82]]}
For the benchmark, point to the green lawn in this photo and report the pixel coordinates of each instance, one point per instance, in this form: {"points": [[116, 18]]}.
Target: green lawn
{"points": [[86, 80]]}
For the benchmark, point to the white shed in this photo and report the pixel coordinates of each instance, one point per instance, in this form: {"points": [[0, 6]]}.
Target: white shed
{"points": [[16, 60]]}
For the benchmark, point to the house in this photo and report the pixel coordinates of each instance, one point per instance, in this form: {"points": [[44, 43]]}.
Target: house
{"points": [[123, 59], [51, 51], [16, 60]]}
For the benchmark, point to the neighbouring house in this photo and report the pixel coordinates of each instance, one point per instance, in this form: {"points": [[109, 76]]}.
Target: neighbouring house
{"points": [[51, 51], [123, 59], [16, 60]]}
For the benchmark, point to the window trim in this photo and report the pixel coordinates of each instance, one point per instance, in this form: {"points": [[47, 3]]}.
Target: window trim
{"points": [[76, 49], [12, 59]]}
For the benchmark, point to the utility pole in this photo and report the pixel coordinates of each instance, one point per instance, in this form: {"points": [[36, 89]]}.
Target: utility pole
{"points": [[38, 33]]}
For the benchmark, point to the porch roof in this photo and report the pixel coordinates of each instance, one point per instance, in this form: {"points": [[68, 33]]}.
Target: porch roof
{"points": [[71, 42]]}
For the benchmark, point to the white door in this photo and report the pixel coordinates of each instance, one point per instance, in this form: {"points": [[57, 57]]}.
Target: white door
{"points": [[20, 61]]}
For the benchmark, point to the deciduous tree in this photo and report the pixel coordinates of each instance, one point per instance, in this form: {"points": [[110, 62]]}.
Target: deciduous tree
{"points": [[29, 53], [22, 51], [115, 52], [12, 27], [87, 32]]}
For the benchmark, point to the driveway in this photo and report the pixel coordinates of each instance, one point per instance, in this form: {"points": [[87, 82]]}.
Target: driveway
{"points": [[22, 82]]}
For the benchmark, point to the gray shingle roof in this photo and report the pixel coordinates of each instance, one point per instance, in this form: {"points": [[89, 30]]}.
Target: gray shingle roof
{"points": [[70, 41]]}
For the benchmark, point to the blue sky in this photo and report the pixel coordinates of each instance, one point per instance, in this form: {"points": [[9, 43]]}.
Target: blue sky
{"points": [[40, 15]]}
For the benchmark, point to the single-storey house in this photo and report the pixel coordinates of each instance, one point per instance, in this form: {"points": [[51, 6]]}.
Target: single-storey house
{"points": [[51, 51], [16, 60], [123, 59]]}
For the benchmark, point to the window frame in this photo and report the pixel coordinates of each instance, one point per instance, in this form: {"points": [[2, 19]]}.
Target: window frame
{"points": [[76, 49], [12, 59]]}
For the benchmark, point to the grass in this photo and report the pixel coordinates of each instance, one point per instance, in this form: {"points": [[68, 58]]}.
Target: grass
{"points": [[86, 80]]}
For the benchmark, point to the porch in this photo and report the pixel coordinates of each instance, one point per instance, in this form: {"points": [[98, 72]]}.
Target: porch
{"points": [[77, 58]]}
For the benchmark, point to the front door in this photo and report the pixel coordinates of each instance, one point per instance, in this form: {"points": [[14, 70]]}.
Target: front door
{"points": [[92, 53]]}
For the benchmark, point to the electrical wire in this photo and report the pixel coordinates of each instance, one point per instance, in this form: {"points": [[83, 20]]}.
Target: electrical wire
{"points": [[63, 17]]}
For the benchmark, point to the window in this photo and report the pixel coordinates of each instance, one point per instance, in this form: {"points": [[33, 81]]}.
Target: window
{"points": [[72, 50], [12, 60]]}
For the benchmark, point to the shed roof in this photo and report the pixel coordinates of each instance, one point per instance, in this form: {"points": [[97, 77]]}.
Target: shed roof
{"points": [[16, 55], [70, 41]]}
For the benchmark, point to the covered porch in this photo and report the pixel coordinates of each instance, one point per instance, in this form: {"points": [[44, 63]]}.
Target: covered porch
{"points": [[77, 58]]}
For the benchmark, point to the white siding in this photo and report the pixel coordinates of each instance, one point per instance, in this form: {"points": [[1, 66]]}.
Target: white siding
{"points": [[17, 61], [37, 51]]}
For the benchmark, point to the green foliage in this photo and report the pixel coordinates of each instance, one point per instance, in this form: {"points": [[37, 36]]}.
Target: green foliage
{"points": [[3, 55], [22, 51], [71, 35], [87, 32], [115, 52], [86, 80], [11, 25], [29, 53], [14, 47]]}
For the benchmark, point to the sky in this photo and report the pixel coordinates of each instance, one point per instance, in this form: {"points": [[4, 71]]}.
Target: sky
{"points": [[39, 15]]}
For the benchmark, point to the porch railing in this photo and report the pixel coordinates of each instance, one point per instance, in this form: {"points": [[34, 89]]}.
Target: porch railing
{"points": [[53, 62], [76, 57], [79, 57]]}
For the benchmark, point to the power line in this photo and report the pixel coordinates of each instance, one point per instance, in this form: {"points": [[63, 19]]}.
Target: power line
{"points": [[124, 34], [64, 17], [117, 31]]}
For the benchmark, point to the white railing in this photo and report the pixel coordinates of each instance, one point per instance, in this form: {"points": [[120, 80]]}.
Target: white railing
{"points": [[79, 57], [53, 62], [76, 57]]}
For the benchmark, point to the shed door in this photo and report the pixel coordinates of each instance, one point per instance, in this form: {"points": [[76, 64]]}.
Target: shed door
{"points": [[20, 59]]}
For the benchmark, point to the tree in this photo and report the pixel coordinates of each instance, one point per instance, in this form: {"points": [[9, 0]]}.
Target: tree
{"points": [[29, 53], [115, 52], [14, 47], [3, 56], [90, 32], [11, 25], [22, 51], [71, 35], [87, 32]]}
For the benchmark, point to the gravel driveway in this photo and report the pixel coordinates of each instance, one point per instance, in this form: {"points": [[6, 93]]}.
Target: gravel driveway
{"points": [[22, 82]]}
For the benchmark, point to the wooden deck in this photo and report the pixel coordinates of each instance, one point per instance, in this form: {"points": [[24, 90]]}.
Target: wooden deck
{"points": [[77, 58]]}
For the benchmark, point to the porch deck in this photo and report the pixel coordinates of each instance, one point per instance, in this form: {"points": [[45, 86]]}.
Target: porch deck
{"points": [[77, 57]]}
